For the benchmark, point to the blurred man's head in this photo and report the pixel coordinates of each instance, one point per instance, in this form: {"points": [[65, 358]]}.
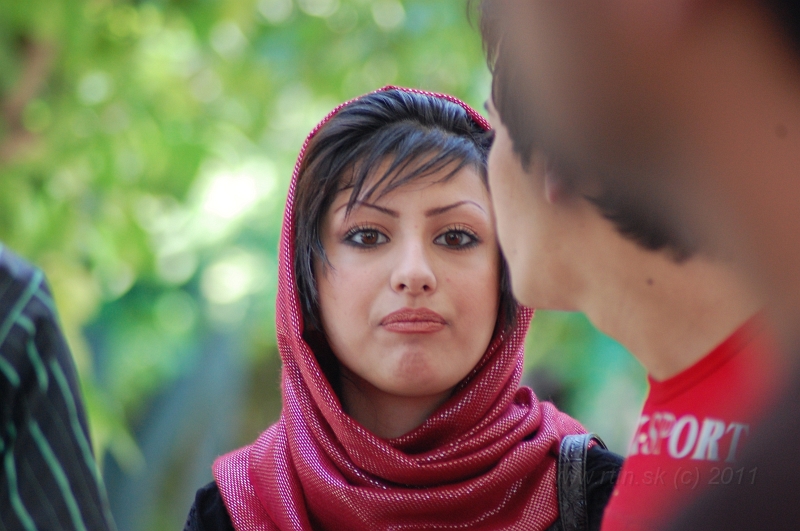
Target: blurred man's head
{"points": [[561, 242], [681, 114], [630, 280]]}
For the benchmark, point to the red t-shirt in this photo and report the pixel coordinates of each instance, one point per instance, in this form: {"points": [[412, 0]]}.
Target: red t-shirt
{"points": [[692, 430]]}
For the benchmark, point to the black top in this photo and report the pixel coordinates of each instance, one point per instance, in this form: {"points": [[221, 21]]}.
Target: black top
{"points": [[48, 477], [208, 512], [602, 467]]}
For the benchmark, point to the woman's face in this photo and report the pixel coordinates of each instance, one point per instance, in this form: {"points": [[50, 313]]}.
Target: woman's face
{"points": [[410, 300]]}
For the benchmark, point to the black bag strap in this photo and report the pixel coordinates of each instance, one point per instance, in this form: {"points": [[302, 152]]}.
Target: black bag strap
{"points": [[572, 503]]}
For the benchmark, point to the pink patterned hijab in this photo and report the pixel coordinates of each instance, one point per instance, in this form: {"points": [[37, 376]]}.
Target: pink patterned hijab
{"points": [[486, 459]]}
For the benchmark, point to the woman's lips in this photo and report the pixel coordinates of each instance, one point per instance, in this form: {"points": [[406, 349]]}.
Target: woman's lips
{"points": [[413, 321]]}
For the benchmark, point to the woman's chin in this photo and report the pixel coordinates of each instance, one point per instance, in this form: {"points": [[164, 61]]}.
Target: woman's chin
{"points": [[416, 389], [419, 383]]}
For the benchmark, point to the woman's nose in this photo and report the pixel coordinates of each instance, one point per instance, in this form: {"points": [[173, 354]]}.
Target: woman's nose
{"points": [[412, 272]]}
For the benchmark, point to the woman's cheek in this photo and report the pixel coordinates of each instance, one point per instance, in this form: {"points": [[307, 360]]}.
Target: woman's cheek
{"points": [[360, 289]]}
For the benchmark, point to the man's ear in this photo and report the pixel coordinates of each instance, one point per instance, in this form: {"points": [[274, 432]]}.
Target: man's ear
{"points": [[555, 187]]}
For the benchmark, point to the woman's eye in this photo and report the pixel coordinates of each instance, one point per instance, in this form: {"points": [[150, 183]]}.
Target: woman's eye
{"points": [[456, 239], [367, 237]]}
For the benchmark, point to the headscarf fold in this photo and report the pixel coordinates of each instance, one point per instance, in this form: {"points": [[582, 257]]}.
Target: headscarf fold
{"points": [[486, 459]]}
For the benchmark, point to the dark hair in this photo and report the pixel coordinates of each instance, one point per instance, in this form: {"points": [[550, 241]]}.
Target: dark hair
{"points": [[419, 134], [630, 216], [787, 15], [506, 77]]}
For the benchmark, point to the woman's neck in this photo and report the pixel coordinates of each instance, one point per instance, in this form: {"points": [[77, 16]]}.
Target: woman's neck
{"points": [[385, 414], [668, 314]]}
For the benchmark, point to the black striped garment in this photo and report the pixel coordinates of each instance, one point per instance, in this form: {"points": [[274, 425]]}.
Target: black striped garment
{"points": [[48, 475]]}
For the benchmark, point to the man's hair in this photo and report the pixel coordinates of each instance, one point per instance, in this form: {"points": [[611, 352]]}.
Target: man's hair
{"points": [[506, 76], [630, 217], [414, 135], [787, 14]]}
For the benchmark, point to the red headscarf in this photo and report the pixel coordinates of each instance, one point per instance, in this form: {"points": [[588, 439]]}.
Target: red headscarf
{"points": [[486, 459]]}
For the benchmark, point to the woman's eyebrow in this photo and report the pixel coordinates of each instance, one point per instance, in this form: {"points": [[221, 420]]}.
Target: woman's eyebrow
{"points": [[441, 210], [428, 213], [387, 211]]}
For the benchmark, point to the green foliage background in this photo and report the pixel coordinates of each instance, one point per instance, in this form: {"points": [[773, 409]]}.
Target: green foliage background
{"points": [[145, 150]]}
